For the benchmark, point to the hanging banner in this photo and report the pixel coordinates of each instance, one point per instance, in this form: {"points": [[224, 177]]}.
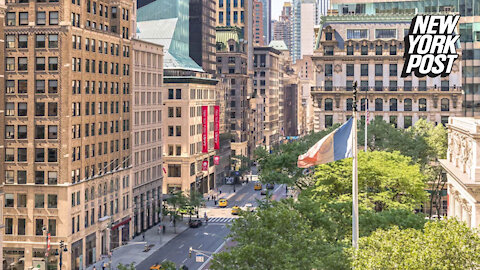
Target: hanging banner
{"points": [[204, 129], [205, 165], [216, 125], [216, 160]]}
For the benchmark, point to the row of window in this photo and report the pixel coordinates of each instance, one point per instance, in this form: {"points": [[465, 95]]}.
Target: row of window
{"points": [[22, 64], [148, 136], [148, 98], [91, 87], [39, 200], [21, 41], [52, 155], [407, 120], [52, 132], [41, 109], [393, 85], [41, 86], [102, 108], [103, 168], [103, 149], [39, 230], [102, 67], [52, 177], [41, 18], [103, 127], [142, 157], [91, 45], [407, 104]]}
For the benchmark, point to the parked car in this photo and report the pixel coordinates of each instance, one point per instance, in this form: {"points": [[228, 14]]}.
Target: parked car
{"points": [[222, 203], [270, 186], [235, 210], [156, 267], [194, 223], [258, 186], [263, 192]]}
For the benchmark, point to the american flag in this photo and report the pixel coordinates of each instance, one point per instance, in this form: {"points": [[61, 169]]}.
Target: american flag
{"points": [[368, 117]]}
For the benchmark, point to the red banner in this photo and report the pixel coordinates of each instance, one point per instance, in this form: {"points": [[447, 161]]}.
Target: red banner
{"points": [[204, 129], [216, 160], [205, 165], [216, 125]]}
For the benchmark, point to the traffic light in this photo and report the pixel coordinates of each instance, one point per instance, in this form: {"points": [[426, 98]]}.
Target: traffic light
{"points": [[190, 252]]}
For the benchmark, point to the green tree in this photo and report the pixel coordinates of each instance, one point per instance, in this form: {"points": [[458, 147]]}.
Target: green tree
{"points": [[447, 244], [169, 265], [176, 201], [385, 181], [196, 200], [126, 267]]}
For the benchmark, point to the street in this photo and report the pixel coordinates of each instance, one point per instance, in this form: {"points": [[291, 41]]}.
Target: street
{"points": [[208, 238]]}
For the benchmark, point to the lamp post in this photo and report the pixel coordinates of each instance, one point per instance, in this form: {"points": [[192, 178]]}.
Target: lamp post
{"points": [[47, 243], [63, 248]]}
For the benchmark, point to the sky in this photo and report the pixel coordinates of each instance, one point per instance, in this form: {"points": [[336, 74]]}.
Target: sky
{"points": [[277, 6]]}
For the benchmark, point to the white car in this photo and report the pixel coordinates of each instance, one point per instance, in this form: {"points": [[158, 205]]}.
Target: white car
{"points": [[249, 207]]}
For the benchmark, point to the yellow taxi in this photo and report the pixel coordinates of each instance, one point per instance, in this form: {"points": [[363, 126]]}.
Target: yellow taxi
{"points": [[222, 203], [258, 186], [156, 267], [235, 210]]}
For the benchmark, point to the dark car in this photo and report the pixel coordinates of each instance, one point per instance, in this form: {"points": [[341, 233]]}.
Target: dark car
{"points": [[270, 186], [194, 223]]}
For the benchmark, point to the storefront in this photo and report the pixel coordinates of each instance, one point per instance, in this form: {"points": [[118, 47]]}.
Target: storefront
{"points": [[90, 244], [14, 258], [121, 229], [77, 255]]}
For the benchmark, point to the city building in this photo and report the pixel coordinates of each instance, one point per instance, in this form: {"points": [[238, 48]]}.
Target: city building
{"points": [[232, 66], [147, 106], [304, 68], [258, 27], [265, 98], [369, 50], [462, 168], [202, 33], [282, 29], [2, 86], [2, 226], [188, 156], [323, 7], [304, 19], [469, 29], [66, 155], [267, 20]]}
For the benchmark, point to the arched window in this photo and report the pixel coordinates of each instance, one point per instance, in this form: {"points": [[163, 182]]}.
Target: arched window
{"points": [[407, 104], [422, 105], [393, 104], [349, 104], [328, 104], [379, 104], [445, 105]]}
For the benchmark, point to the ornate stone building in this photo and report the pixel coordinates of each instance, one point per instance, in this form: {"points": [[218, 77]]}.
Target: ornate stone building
{"points": [[66, 133], [463, 169], [369, 49]]}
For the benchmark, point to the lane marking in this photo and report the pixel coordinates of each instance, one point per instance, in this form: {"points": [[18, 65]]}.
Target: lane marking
{"points": [[184, 261], [199, 247], [181, 246], [209, 258], [164, 259]]}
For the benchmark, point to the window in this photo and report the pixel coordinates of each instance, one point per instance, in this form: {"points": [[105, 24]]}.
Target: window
{"points": [[22, 109], [393, 69], [393, 120], [349, 104], [349, 50], [357, 33], [22, 155], [364, 50], [53, 63], [385, 33], [11, 19], [10, 64], [378, 70], [378, 50], [422, 105], [52, 132], [39, 63], [328, 104], [39, 109], [39, 178], [21, 226], [364, 70], [174, 170], [52, 155], [8, 226], [52, 86], [52, 226], [9, 201], [407, 85], [329, 50], [52, 200], [393, 50], [41, 18], [445, 85], [328, 36], [378, 104], [328, 69], [407, 104], [328, 121], [53, 41], [21, 177], [393, 104], [378, 85], [22, 63], [393, 86], [22, 86], [52, 178], [39, 155], [40, 41], [407, 122], [350, 70], [40, 86], [23, 18], [22, 132], [10, 41], [178, 94], [9, 132], [422, 85], [10, 87], [39, 201], [445, 105], [328, 85], [38, 226]]}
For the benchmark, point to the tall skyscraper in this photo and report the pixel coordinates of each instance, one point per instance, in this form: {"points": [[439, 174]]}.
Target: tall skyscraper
{"points": [[469, 28], [282, 29], [258, 26], [202, 33], [267, 20], [304, 18], [323, 7], [66, 158]]}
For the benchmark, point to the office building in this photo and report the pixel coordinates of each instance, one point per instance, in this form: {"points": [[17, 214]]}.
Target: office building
{"points": [[267, 20], [282, 29], [147, 143], [202, 33], [323, 7], [461, 167], [68, 95], [188, 156], [232, 65], [304, 18], [469, 30], [258, 27], [369, 51], [304, 68]]}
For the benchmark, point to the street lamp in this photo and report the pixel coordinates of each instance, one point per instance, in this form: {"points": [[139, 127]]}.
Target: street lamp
{"points": [[63, 248]]}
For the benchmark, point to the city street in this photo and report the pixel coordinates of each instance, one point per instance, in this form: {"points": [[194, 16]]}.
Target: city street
{"points": [[208, 238]]}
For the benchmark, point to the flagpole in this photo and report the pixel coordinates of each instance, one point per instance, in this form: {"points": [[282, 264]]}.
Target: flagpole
{"points": [[355, 172], [366, 117]]}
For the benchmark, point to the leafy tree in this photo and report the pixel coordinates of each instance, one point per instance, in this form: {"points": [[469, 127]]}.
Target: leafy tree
{"points": [[195, 199], [385, 181], [447, 244], [176, 201], [126, 267], [169, 265], [244, 163]]}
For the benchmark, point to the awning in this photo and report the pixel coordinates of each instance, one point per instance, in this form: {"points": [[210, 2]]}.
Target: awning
{"points": [[121, 223]]}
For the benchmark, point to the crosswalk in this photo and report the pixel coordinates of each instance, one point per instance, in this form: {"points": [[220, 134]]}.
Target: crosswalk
{"points": [[220, 219]]}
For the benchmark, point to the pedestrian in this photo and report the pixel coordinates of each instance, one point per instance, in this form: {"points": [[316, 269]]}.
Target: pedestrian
{"points": [[215, 202], [163, 229], [143, 236], [220, 191], [206, 217], [94, 268]]}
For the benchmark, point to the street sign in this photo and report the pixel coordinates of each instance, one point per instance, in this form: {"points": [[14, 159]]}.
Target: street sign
{"points": [[199, 258]]}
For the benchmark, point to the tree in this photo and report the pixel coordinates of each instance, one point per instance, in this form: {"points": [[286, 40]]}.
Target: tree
{"points": [[447, 244], [195, 199], [126, 267], [176, 201], [385, 180], [169, 265]]}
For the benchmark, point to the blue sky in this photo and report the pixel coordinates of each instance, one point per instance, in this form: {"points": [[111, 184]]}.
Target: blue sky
{"points": [[277, 8]]}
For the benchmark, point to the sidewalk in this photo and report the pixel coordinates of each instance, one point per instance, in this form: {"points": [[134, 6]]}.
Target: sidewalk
{"points": [[133, 251]]}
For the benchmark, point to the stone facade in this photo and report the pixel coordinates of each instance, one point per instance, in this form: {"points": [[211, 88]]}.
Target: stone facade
{"points": [[463, 169], [369, 50], [66, 158], [147, 110]]}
